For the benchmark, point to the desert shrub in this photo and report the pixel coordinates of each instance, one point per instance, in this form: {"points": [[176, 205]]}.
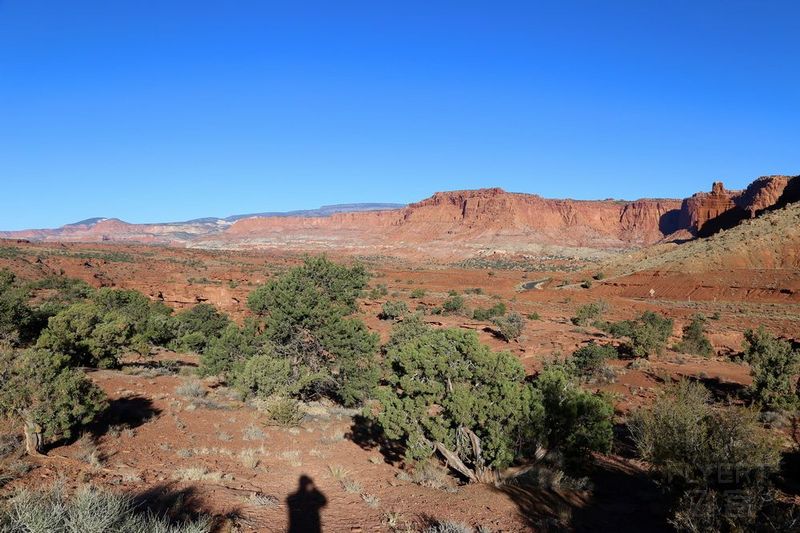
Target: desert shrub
{"points": [[498, 309], [197, 326], [418, 293], [702, 453], [379, 291], [453, 304], [694, 339], [534, 316], [304, 314], [441, 383], [648, 334], [774, 366], [589, 313], [339, 284], [267, 374], [576, 422], [589, 359], [285, 412], [392, 310], [95, 331], [509, 327], [49, 399], [89, 510], [224, 354], [599, 276], [87, 336], [586, 284], [17, 319]]}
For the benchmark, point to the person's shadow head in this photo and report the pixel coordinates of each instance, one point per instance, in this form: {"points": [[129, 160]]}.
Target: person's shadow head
{"points": [[304, 507]]}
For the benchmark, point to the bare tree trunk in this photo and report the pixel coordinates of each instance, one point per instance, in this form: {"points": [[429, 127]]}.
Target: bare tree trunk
{"points": [[33, 438]]}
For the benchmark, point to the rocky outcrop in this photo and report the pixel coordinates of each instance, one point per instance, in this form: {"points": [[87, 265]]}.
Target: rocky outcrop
{"points": [[704, 214], [456, 224]]}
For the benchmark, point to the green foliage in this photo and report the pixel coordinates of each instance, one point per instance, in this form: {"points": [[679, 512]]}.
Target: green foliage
{"points": [[534, 316], [285, 412], [509, 327], [589, 313], [87, 337], [453, 304], [304, 314], [339, 284], [17, 319], [418, 293], [694, 339], [774, 366], [198, 326], [51, 399], [589, 359], [439, 381], [648, 334], [576, 422], [498, 309], [699, 450], [392, 310], [89, 510], [225, 354], [379, 291]]}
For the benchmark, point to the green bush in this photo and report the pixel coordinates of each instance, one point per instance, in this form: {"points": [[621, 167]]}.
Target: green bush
{"points": [[86, 336], [498, 309], [224, 355], [418, 293], [589, 313], [17, 319], [379, 291], [702, 453], [694, 339], [648, 334], [576, 422], [392, 310], [453, 304], [509, 327], [196, 327], [589, 359], [439, 383], [285, 412], [49, 399], [89, 510], [304, 313], [774, 366]]}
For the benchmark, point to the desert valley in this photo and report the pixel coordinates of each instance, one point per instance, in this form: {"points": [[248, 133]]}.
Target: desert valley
{"points": [[630, 301]]}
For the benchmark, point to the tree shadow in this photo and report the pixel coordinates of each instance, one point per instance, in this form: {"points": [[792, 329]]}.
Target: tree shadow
{"points": [[624, 499], [540, 508], [130, 412], [304, 506], [181, 505], [369, 435], [721, 391]]}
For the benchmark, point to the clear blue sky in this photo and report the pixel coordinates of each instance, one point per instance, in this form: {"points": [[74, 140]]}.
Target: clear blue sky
{"points": [[167, 110]]}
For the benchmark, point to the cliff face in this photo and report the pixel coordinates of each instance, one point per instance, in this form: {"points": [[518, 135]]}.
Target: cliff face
{"points": [[463, 222], [459, 224], [707, 213]]}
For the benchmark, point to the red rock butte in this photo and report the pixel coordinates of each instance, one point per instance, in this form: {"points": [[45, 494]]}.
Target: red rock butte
{"points": [[460, 224]]}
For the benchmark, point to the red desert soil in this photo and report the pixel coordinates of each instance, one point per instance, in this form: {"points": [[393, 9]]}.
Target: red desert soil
{"points": [[198, 447]]}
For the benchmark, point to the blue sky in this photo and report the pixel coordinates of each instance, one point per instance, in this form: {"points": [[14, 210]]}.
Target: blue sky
{"points": [[166, 110]]}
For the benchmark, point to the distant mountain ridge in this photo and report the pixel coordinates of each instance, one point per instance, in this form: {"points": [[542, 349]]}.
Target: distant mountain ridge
{"points": [[455, 224]]}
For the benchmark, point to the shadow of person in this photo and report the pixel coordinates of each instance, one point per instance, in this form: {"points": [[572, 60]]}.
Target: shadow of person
{"points": [[304, 507]]}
